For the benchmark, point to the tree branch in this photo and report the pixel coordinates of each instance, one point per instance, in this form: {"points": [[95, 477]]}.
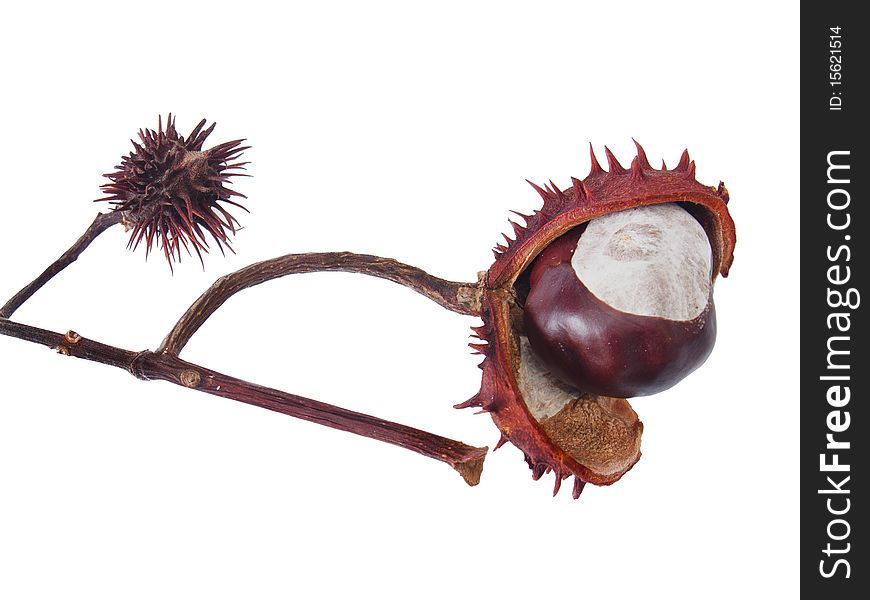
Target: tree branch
{"points": [[102, 222], [463, 298], [467, 460]]}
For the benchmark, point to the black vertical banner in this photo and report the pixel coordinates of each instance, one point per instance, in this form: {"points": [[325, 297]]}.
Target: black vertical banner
{"points": [[834, 370]]}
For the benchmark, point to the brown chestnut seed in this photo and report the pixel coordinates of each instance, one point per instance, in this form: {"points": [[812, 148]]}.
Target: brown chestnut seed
{"points": [[624, 306]]}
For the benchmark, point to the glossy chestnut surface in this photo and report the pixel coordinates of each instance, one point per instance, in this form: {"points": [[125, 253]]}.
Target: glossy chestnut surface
{"points": [[599, 349]]}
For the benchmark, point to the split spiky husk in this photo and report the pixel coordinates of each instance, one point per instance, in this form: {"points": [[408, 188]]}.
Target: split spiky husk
{"points": [[596, 439], [170, 190]]}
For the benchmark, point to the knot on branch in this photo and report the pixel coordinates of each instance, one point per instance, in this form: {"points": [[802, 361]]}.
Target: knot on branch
{"points": [[137, 365]]}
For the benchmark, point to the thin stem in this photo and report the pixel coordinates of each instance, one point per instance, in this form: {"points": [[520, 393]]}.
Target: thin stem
{"points": [[467, 460], [102, 222], [70, 344], [463, 298]]}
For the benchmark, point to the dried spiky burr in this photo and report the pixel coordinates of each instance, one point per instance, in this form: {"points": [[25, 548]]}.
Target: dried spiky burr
{"points": [[170, 190]]}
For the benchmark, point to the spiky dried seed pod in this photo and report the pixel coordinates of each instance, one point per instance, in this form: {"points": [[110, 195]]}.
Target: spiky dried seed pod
{"points": [[170, 190], [559, 428]]}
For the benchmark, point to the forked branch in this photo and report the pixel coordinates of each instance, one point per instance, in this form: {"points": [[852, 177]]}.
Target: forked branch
{"points": [[165, 364]]}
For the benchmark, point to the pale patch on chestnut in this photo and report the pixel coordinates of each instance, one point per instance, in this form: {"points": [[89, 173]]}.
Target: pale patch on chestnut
{"points": [[653, 261], [544, 394]]}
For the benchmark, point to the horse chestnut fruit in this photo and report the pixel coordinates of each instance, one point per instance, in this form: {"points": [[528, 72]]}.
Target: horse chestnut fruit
{"points": [[603, 294], [623, 306]]}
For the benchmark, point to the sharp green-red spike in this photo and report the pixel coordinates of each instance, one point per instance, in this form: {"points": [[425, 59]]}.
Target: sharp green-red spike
{"points": [[683, 165], [595, 168], [637, 172], [479, 348], [544, 194], [518, 229], [558, 483], [557, 192], [473, 401], [579, 484], [641, 155], [613, 166]]}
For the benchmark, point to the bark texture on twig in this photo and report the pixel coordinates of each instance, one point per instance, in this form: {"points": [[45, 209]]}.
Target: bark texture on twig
{"points": [[102, 222], [467, 460], [463, 298], [70, 344]]}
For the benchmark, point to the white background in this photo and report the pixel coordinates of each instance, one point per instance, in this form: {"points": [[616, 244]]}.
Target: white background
{"points": [[407, 132]]}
